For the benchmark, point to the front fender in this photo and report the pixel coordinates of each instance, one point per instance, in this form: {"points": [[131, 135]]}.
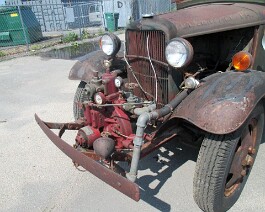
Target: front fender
{"points": [[223, 101], [83, 70]]}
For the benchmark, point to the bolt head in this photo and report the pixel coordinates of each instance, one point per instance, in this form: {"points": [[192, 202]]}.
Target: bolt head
{"points": [[243, 173], [249, 160], [251, 150]]}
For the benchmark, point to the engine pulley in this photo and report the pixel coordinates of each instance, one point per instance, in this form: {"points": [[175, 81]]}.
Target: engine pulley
{"points": [[86, 136]]}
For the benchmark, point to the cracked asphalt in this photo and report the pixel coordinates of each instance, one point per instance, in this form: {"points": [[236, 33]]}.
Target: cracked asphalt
{"points": [[36, 176]]}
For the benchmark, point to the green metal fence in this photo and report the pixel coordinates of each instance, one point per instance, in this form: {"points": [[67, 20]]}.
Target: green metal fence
{"points": [[27, 26]]}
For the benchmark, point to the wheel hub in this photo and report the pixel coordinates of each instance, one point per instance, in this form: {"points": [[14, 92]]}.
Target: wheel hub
{"points": [[243, 159]]}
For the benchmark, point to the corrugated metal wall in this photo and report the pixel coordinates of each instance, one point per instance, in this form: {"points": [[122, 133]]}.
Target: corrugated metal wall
{"points": [[154, 6], [60, 15], [130, 10]]}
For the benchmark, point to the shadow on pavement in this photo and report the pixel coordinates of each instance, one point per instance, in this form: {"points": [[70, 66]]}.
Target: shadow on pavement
{"points": [[163, 163]]}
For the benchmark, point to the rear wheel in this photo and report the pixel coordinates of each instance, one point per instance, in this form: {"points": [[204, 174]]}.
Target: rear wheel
{"points": [[224, 164], [80, 96]]}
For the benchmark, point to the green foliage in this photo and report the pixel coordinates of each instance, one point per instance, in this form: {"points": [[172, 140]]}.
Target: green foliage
{"points": [[2, 54], [101, 32], [36, 47], [70, 37], [75, 44], [86, 34]]}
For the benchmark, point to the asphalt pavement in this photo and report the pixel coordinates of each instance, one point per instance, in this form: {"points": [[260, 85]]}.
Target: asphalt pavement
{"points": [[36, 176]]}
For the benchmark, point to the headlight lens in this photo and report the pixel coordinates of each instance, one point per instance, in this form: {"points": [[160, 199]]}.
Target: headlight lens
{"points": [[110, 44], [242, 61], [179, 52]]}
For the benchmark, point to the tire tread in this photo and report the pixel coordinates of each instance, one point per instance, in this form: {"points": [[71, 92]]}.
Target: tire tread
{"points": [[210, 168], [79, 97]]}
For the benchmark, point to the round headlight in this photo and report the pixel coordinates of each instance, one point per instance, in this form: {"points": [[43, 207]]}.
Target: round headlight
{"points": [[110, 44], [179, 52]]}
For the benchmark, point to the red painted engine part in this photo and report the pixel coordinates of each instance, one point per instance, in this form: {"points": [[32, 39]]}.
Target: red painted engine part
{"points": [[111, 121], [95, 116], [128, 143], [86, 136], [109, 82], [119, 127]]}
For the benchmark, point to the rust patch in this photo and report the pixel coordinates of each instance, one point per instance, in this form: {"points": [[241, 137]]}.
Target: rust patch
{"points": [[223, 101], [211, 18]]}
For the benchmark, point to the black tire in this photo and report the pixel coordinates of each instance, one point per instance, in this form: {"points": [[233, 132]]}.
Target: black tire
{"points": [[220, 175], [80, 96]]}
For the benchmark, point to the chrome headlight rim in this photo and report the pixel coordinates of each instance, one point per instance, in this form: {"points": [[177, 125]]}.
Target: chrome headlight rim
{"points": [[188, 48], [116, 43]]}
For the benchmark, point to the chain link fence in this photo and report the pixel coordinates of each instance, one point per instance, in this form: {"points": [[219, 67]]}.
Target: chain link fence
{"points": [[32, 24]]}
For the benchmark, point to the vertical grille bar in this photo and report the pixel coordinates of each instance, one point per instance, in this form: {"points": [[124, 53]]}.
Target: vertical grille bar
{"points": [[137, 45]]}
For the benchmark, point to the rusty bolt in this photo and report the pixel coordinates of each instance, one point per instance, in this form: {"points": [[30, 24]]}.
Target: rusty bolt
{"points": [[243, 173], [251, 150], [249, 160], [244, 162]]}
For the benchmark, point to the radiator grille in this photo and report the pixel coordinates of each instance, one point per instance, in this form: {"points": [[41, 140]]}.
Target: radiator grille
{"points": [[137, 45]]}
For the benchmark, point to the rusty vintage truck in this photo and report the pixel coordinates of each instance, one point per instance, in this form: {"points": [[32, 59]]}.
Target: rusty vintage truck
{"points": [[197, 72]]}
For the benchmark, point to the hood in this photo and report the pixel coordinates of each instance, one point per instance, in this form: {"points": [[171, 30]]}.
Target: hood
{"points": [[204, 19]]}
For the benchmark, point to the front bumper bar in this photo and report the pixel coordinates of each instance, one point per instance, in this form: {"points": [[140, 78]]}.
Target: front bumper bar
{"points": [[115, 180]]}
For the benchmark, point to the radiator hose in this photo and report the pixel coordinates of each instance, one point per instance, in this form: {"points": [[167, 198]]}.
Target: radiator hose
{"points": [[142, 122]]}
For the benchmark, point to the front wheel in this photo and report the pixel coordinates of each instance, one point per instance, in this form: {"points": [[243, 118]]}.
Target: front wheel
{"points": [[80, 97], [224, 164]]}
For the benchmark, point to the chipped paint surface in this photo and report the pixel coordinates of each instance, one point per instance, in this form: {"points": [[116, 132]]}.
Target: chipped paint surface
{"points": [[215, 18], [223, 101], [204, 19]]}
